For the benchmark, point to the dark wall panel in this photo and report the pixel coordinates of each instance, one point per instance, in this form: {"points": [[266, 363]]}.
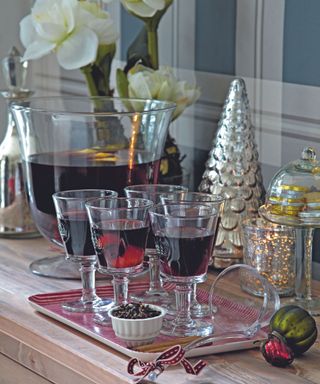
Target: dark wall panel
{"points": [[301, 51], [215, 36]]}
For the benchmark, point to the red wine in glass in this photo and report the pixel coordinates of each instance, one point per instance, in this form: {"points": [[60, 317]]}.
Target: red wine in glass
{"points": [[120, 244], [76, 235], [150, 241], [184, 252], [50, 173]]}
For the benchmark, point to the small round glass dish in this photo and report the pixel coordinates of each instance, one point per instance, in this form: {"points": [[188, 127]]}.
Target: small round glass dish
{"points": [[137, 331]]}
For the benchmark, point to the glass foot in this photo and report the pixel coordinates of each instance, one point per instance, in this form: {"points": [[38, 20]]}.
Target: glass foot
{"points": [[95, 306], [158, 297], [193, 328], [58, 267], [120, 284], [197, 310], [102, 318]]}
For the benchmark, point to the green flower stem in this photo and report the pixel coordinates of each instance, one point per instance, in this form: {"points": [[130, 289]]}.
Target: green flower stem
{"points": [[153, 45], [87, 71]]}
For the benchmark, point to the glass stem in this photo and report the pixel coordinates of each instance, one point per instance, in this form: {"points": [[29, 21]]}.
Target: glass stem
{"points": [[194, 300], [304, 240], [120, 287], [154, 272], [88, 274], [183, 302]]}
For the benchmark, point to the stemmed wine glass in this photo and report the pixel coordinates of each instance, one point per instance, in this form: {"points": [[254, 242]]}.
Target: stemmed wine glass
{"points": [[119, 230], [74, 229], [237, 314], [184, 236], [156, 293], [197, 309]]}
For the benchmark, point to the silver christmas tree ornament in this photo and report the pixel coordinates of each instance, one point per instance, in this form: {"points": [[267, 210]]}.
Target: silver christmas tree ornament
{"points": [[233, 170]]}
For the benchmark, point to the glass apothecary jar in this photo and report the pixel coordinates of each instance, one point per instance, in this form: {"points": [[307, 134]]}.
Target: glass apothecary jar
{"points": [[293, 199]]}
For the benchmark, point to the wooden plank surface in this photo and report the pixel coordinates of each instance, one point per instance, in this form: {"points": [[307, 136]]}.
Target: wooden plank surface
{"points": [[21, 374], [60, 354]]}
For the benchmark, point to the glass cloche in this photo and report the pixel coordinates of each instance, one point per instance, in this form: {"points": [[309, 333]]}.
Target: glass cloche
{"points": [[293, 199], [293, 196]]}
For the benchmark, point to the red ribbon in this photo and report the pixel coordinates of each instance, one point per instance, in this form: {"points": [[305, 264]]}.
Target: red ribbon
{"points": [[172, 356]]}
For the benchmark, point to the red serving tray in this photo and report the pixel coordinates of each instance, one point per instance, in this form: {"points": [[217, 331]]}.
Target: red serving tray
{"points": [[50, 305]]}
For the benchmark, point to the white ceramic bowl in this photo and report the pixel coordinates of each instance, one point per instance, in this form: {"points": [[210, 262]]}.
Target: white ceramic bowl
{"points": [[137, 332]]}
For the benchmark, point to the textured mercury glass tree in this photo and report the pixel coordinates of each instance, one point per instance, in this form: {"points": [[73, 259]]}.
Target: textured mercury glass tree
{"points": [[233, 169]]}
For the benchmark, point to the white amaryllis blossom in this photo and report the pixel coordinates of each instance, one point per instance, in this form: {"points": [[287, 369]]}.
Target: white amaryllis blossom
{"points": [[144, 8], [99, 21], [161, 84], [71, 29]]}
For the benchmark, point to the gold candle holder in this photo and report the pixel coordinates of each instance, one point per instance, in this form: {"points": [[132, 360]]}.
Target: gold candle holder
{"points": [[270, 248]]}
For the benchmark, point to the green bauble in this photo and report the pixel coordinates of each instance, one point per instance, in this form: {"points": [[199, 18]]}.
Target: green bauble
{"points": [[297, 326]]}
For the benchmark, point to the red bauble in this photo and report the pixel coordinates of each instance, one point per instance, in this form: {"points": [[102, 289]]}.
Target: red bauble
{"points": [[276, 351]]}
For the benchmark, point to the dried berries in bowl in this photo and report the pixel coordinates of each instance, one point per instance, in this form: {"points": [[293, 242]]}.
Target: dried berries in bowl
{"points": [[137, 323]]}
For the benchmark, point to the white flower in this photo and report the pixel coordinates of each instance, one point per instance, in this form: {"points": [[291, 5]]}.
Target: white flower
{"points": [[185, 94], [69, 28], [162, 85], [99, 21], [144, 8]]}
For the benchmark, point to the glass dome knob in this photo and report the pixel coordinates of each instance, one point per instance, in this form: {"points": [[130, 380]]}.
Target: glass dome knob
{"points": [[308, 153]]}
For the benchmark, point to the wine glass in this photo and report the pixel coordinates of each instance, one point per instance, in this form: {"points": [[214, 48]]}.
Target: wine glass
{"points": [[119, 229], [74, 229], [79, 142], [197, 309], [156, 293], [237, 314], [184, 236]]}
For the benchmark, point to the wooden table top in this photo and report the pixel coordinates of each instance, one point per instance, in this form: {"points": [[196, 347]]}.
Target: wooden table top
{"points": [[60, 354]]}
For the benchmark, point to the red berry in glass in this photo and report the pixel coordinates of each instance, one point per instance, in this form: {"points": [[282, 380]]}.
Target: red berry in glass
{"points": [[120, 243]]}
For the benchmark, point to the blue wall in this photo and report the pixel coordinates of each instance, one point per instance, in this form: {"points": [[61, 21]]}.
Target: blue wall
{"points": [[301, 49], [215, 36], [130, 27]]}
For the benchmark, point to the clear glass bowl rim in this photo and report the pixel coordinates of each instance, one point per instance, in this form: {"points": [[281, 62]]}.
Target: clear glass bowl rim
{"points": [[163, 106]]}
